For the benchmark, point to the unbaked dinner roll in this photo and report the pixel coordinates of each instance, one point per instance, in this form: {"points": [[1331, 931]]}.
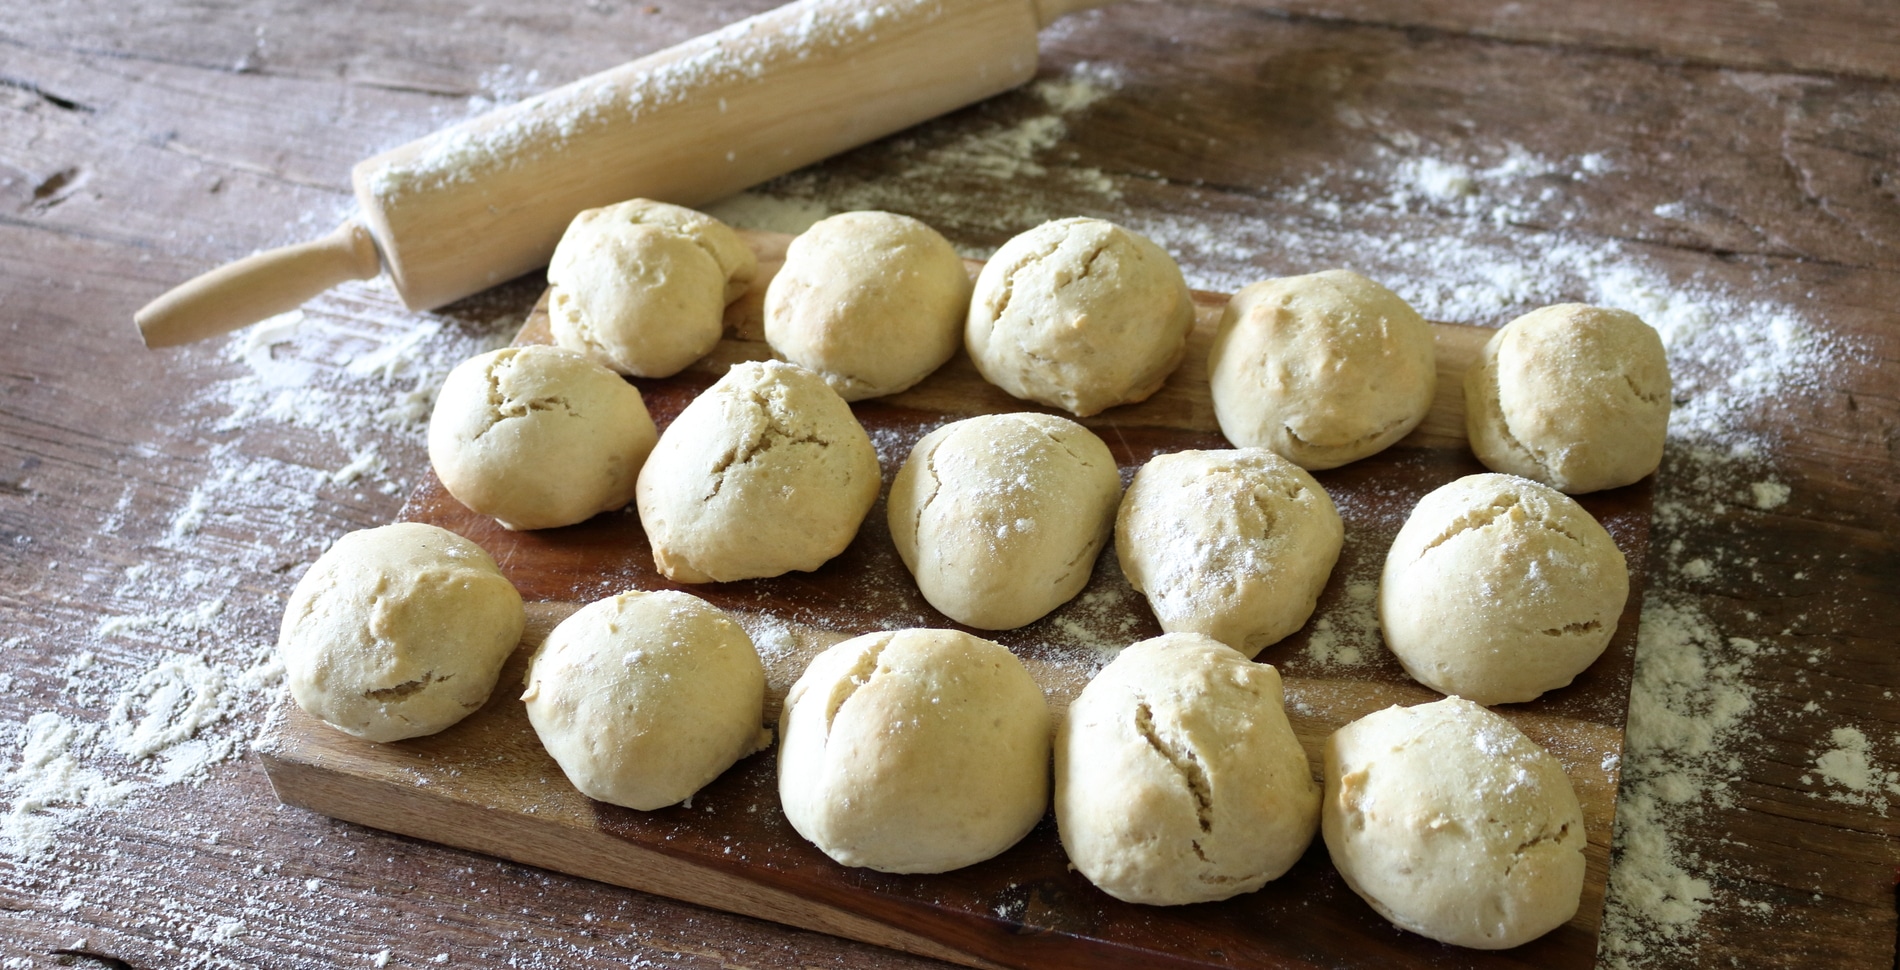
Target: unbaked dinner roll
{"points": [[1454, 825], [871, 301], [644, 698], [999, 517], [642, 286], [1079, 314], [914, 751], [1178, 778], [1498, 589], [1574, 396], [398, 631], [765, 472], [1234, 544], [1324, 369], [538, 436]]}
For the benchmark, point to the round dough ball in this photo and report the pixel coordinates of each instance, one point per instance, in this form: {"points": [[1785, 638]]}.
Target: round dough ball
{"points": [[398, 631], [871, 301], [736, 260], [765, 472], [538, 437], [1079, 314], [999, 518], [1233, 544], [1454, 825], [1178, 778], [642, 286], [645, 698], [1574, 396], [1499, 589], [914, 751], [1324, 369]]}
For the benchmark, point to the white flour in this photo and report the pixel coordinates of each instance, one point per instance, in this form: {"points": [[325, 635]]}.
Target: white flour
{"points": [[328, 404]]}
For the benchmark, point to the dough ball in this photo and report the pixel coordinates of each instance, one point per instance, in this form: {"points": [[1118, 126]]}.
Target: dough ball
{"points": [[1324, 369], [1079, 314], [538, 437], [398, 631], [1454, 825], [765, 472], [1499, 589], [642, 286], [1233, 544], [914, 751], [1178, 778], [1574, 396], [645, 698], [871, 301], [999, 518], [736, 260]]}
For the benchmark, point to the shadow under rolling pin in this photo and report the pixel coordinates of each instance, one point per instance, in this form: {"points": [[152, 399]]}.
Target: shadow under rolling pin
{"points": [[485, 201]]}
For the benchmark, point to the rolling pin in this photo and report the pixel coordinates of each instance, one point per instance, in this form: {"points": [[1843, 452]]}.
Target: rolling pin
{"points": [[485, 201]]}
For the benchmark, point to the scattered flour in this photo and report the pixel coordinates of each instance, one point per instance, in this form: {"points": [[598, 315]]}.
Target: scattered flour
{"points": [[1769, 495], [168, 690], [1850, 769]]}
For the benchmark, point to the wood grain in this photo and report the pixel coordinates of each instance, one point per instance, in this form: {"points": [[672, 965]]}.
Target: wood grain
{"points": [[486, 785]]}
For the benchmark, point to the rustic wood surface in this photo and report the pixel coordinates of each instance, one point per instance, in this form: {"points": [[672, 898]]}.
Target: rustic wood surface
{"points": [[485, 784], [1755, 151]]}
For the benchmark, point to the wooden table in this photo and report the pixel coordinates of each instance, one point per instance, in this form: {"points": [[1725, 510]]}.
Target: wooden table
{"points": [[148, 538]]}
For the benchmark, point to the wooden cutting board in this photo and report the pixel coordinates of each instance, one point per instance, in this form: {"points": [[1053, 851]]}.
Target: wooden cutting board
{"points": [[486, 785]]}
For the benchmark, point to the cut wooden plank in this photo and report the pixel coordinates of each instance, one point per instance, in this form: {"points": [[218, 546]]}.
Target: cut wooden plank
{"points": [[486, 784]]}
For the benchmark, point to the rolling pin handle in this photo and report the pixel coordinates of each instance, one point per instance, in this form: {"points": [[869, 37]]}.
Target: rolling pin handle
{"points": [[1050, 11], [258, 286]]}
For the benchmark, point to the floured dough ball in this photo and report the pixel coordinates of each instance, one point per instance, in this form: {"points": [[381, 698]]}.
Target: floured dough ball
{"points": [[999, 517], [914, 751], [765, 472], [871, 301], [1499, 589], [1324, 369], [398, 631], [1574, 396], [1079, 314], [1178, 778], [642, 286], [538, 437], [1234, 544], [1454, 825], [644, 698]]}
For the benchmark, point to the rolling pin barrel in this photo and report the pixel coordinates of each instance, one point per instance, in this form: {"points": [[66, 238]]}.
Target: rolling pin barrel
{"points": [[485, 201]]}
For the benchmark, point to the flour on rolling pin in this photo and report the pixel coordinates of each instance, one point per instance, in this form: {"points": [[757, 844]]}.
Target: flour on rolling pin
{"points": [[462, 210]]}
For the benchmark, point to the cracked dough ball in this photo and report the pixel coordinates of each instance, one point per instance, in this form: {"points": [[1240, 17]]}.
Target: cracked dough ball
{"points": [[645, 698], [1454, 825], [1079, 314], [999, 518], [1574, 396], [871, 301], [1233, 544], [765, 472], [398, 631], [1498, 589], [1324, 369], [642, 286], [1178, 778], [538, 437], [914, 751]]}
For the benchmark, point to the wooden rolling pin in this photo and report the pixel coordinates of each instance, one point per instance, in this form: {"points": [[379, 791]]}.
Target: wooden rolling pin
{"points": [[485, 201]]}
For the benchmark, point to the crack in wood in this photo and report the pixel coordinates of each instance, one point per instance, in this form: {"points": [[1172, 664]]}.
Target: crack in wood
{"points": [[101, 959], [63, 104]]}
